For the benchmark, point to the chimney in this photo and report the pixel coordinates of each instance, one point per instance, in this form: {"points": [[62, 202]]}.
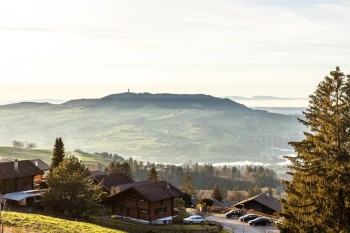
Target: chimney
{"points": [[267, 195], [168, 185], [15, 164], [36, 163]]}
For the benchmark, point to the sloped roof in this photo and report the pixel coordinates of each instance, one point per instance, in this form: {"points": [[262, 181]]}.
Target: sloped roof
{"points": [[18, 196], [228, 204], [152, 191], [96, 173], [216, 202], [114, 179], [25, 168], [41, 164], [266, 200], [195, 201], [122, 187]]}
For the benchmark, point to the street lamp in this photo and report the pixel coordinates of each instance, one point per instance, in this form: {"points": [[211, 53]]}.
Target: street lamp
{"points": [[243, 217]]}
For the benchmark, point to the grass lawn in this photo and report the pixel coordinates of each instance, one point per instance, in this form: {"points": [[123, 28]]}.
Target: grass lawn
{"points": [[155, 228], [35, 223]]}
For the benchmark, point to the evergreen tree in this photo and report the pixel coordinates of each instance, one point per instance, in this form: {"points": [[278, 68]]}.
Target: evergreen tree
{"points": [[187, 185], [253, 191], [70, 190], [153, 175], [217, 194], [117, 167], [58, 153], [319, 193]]}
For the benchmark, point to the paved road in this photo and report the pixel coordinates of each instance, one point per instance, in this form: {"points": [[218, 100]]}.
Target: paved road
{"points": [[236, 226]]}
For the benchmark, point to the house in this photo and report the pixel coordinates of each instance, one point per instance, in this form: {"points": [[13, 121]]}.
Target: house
{"points": [[107, 181], [146, 201], [263, 203], [18, 176], [41, 165]]}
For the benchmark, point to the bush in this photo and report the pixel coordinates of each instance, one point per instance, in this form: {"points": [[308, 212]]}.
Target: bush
{"points": [[217, 209]]}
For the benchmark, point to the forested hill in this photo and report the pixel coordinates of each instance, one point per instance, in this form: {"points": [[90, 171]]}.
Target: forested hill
{"points": [[171, 101], [165, 128]]}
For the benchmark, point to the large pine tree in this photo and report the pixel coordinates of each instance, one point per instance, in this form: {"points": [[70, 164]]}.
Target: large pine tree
{"points": [[217, 194], [153, 175], [117, 167], [319, 193], [58, 153], [70, 190], [187, 185]]}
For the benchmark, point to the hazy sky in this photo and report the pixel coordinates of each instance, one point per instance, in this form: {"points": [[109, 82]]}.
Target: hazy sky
{"points": [[91, 48]]}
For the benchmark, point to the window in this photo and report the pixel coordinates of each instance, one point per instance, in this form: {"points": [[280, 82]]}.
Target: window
{"points": [[143, 211]]}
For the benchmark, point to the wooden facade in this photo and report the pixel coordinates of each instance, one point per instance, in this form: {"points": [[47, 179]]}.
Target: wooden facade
{"points": [[17, 184], [132, 204], [148, 201]]}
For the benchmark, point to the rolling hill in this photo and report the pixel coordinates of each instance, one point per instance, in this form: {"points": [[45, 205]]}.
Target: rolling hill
{"points": [[165, 128]]}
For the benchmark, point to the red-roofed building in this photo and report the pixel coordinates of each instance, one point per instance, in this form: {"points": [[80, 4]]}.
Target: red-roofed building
{"points": [[148, 201], [18, 176]]}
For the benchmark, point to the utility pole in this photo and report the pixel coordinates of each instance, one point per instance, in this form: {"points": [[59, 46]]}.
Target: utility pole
{"points": [[1, 222]]}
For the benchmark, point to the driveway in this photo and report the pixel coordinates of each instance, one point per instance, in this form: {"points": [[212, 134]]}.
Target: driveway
{"points": [[233, 225]]}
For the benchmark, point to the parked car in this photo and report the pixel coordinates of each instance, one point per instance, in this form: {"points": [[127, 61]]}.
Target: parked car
{"points": [[248, 217], [260, 221], [232, 213], [194, 219]]}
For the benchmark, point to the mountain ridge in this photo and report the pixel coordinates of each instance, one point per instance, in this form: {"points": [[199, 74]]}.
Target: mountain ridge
{"points": [[166, 100], [170, 128]]}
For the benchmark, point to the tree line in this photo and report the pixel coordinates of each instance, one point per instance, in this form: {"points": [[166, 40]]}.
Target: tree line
{"points": [[23, 144], [203, 176]]}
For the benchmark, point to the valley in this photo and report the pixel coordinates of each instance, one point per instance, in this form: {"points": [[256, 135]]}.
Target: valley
{"points": [[161, 128]]}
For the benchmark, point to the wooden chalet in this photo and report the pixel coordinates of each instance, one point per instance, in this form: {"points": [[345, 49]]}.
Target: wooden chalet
{"points": [[148, 201], [263, 203], [18, 176]]}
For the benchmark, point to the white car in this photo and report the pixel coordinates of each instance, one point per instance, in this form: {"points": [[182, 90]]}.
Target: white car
{"points": [[194, 219]]}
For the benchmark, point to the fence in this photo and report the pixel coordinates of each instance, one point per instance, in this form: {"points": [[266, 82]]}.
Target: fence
{"points": [[143, 228]]}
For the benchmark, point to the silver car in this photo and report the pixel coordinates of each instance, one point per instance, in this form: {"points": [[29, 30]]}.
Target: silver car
{"points": [[194, 219]]}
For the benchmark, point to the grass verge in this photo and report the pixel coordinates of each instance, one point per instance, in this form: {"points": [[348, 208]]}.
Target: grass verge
{"points": [[35, 223]]}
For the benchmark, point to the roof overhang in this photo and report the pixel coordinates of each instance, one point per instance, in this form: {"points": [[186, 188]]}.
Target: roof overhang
{"points": [[18, 196]]}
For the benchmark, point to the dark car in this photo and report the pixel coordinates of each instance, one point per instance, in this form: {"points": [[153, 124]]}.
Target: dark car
{"points": [[260, 221], [248, 217], [232, 213]]}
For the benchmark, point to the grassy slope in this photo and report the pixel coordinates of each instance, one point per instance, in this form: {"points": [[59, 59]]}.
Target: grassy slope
{"points": [[150, 133], [46, 155], [39, 223]]}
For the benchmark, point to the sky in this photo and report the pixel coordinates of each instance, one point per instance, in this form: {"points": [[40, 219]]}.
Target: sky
{"points": [[72, 49]]}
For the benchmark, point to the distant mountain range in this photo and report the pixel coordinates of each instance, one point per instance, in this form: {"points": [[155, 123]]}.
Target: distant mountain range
{"points": [[266, 102], [261, 97], [165, 128]]}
